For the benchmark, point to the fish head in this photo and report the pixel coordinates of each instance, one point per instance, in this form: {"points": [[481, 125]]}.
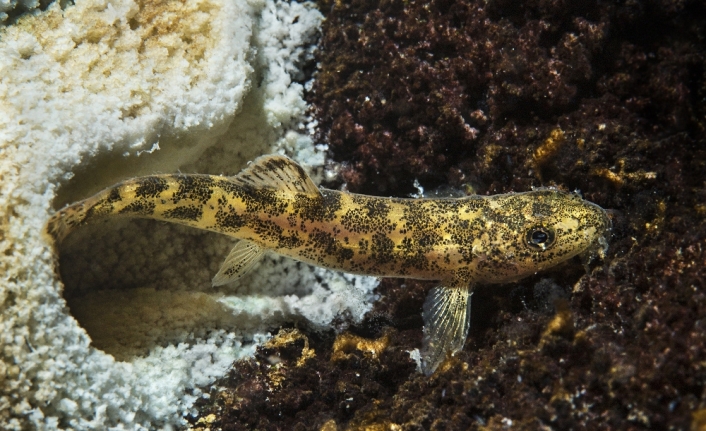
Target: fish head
{"points": [[533, 231]]}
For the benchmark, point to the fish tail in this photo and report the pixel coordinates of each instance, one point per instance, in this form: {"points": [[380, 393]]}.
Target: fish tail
{"points": [[63, 222], [66, 220], [116, 200]]}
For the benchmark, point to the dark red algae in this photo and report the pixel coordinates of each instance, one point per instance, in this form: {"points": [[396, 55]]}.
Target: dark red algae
{"points": [[495, 96]]}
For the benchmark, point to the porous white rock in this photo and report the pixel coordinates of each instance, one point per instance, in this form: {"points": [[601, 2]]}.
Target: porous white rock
{"points": [[109, 89]]}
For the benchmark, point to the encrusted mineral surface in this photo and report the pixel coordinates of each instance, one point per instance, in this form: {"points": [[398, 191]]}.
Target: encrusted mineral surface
{"points": [[128, 330], [497, 96]]}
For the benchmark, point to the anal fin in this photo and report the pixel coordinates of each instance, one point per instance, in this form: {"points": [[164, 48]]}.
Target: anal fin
{"points": [[240, 260], [447, 317]]}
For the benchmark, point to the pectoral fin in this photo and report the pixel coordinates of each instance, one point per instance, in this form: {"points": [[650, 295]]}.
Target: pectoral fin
{"points": [[239, 261], [447, 317]]}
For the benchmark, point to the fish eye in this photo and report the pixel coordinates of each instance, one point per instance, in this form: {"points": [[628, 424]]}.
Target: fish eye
{"points": [[540, 237]]}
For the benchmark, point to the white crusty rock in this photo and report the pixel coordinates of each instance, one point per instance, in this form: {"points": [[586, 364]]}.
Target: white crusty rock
{"points": [[104, 90]]}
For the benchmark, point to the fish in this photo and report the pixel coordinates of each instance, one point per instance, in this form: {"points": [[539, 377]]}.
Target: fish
{"points": [[274, 206]]}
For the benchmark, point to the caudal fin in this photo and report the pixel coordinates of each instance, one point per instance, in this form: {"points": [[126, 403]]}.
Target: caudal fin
{"points": [[64, 221]]}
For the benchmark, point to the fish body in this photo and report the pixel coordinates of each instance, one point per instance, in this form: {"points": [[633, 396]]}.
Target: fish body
{"points": [[273, 205]]}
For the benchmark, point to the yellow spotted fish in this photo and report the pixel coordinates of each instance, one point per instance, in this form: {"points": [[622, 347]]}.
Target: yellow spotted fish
{"points": [[273, 205]]}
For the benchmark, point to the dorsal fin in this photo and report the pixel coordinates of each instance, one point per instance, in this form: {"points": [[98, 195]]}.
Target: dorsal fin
{"points": [[278, 172]]}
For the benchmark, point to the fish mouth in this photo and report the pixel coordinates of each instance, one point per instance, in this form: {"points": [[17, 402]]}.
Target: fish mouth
{"points": [[603, 226], [603, 238], [607, 223], [604, 223]]}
